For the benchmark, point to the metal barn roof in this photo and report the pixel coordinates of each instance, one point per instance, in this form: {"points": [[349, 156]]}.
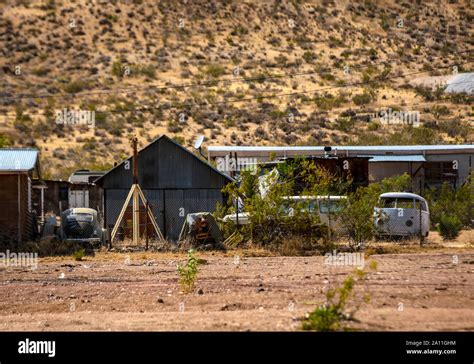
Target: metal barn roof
{"points": [[287, 151], [395, 158], [165, 164], [382, 148], [18, 159]]}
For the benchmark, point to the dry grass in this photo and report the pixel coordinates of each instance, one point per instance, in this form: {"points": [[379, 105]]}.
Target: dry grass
{"points": [[434, 244], [251, 51]]}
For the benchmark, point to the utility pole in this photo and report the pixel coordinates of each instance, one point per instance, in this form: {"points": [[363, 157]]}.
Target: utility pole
{"points": [[136, 202]]}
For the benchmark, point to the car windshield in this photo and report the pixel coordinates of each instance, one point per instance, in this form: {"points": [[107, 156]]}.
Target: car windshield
{"points": [[81, 217]]}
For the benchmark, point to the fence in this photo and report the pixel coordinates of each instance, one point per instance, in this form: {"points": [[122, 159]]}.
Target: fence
{"points": [[169, 208], [397, 219]]}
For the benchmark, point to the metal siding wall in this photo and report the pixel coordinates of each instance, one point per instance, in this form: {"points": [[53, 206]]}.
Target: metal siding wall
{"points": [[174, 201], [171, 178], [463, 164], [148, 165], [191, 200], [184, 177], [115, 199], [119, 178], [380, 170], [169, 162], [8, 207], [156, 201], [201, 176]]}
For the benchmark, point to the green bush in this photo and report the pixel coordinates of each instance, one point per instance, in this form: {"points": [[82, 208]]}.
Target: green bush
{"points": [[330, 315], [188, 273], [118, 69], [449, 227], [215, 70], [362, 99], [75, 86], [345, 124], [274, 219], [4, 141], [79, 255], [357, 213], [451, 202], [328, 102], [323, 319], [309, 56]]}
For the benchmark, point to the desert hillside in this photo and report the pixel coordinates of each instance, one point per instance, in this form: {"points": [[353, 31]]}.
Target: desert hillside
{"points": [[239, 72]]}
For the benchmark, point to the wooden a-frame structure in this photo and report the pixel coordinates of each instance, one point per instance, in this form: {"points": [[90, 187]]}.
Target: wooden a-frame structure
{"points": [[137, 194]]}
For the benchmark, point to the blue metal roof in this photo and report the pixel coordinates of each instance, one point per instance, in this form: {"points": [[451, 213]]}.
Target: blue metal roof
{"points": [[394, 158], [18, 159]]}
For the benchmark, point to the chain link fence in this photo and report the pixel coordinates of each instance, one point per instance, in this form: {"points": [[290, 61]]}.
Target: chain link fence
{"points": [[395, 218]]}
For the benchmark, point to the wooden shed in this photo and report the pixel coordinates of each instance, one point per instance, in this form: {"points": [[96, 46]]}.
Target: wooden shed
{"points": [[19, 172], [175, 182]]}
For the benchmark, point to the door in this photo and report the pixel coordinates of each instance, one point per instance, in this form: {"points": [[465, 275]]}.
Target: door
{"points": [[425, 217], [78, 198], [407, 219]]}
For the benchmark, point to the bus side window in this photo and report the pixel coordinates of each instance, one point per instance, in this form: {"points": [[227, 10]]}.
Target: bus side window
{"points": [[388, 203], [422, 204], [405, 203]]}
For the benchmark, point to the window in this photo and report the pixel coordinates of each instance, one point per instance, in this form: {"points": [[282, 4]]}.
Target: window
{"points": [[63, 193], [405, 203], [29, 194], [440, 171], [330, 206], [423, 205], [388, 203]]}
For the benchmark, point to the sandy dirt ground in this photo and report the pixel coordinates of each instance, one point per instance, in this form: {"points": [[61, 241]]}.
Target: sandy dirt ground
{"points": [[421, 289]]}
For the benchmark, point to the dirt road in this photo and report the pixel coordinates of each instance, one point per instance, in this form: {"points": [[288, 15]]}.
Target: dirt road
{"points": [[432, 290]]}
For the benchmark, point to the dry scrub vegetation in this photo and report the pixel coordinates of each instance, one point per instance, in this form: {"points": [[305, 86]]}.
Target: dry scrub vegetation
{"points": [[123, 60]]}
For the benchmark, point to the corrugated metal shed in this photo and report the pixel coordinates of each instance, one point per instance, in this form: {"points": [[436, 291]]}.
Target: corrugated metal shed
{"points": [[18, 159], [175, 182]]}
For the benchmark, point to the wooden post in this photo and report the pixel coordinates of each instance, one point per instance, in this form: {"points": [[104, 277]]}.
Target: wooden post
{"points": [[422, 238], [120, 217], [237, 212], [136, 201], [42, 206], [146, 225], [19, 209], [329, 216]]}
